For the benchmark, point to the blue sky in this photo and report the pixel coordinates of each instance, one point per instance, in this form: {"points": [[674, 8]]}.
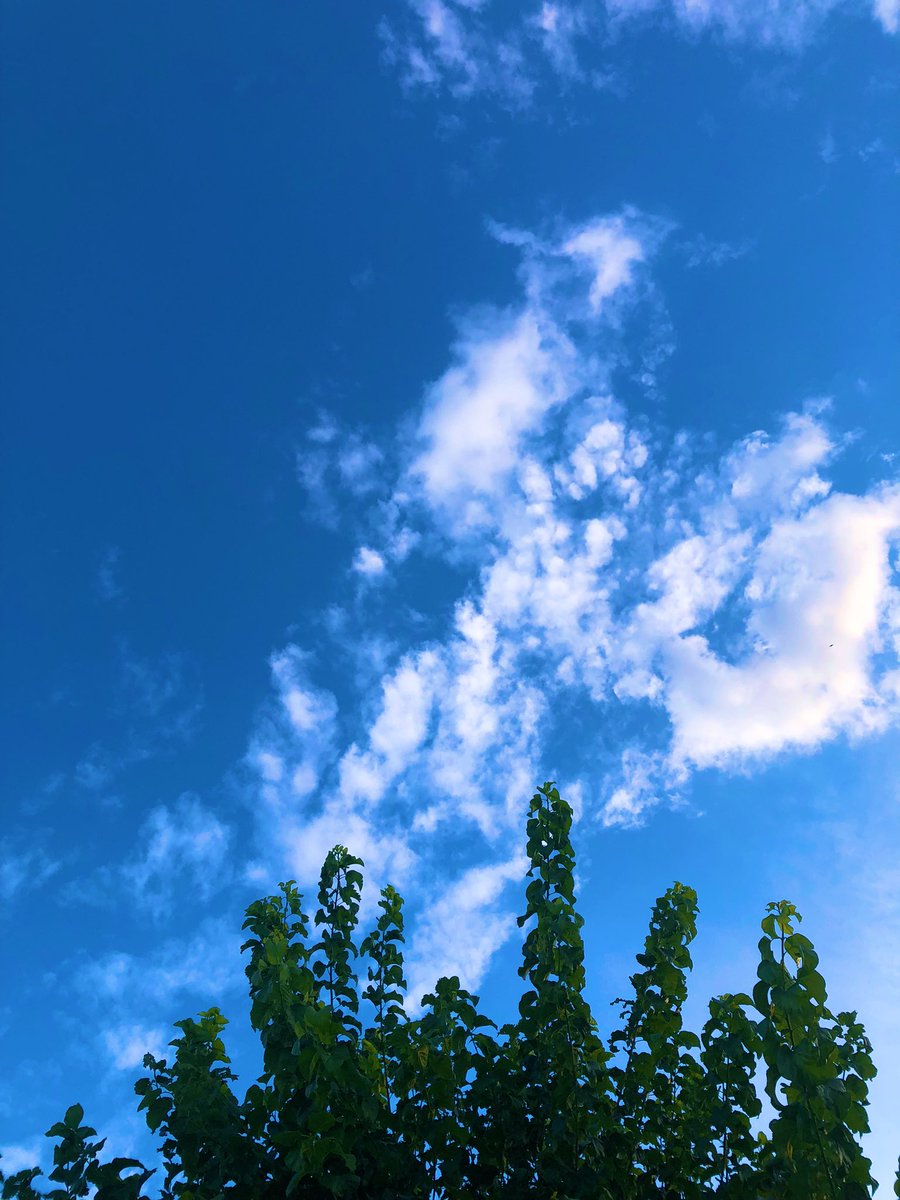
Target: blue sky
{"points": [[406, 404]]}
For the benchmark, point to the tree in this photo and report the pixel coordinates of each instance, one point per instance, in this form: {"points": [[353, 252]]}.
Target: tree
{"points": [[445, 1106]]}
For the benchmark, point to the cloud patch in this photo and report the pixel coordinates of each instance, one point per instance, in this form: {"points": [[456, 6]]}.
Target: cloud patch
{"points": [[184, 841], [127, 1044]]}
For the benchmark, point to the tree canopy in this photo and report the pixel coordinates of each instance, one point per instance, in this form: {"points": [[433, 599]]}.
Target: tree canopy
{"points": [[359, 1097]]}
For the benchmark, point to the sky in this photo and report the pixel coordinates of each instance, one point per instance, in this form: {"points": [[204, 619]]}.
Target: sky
{"points": [[408, 403]]}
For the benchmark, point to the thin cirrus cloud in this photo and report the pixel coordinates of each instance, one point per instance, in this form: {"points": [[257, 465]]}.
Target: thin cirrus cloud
{"points": [[131, 996], [736, 606], [185, 840], [208, 963], [157, 705], [471, 48], [23, 868]]}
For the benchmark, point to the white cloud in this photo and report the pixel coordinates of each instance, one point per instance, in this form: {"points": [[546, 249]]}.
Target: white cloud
{"points": [[828, 148], [22, 869], [131, 999], [305, 842], [478, 414], [888, 13], [207, 965], [464, 928], [271, 766], [484, 742], [451, 45], [611, 250], [400, 727], [309, 710], [127, 1044], [559, 27], [290, 744], [642, 784], [607, 452], [514, 372], [21, 1156], [702, 251], [184, 841], [794, 585], [818, 593], [784, 471], [368, 562], [396, 733]]}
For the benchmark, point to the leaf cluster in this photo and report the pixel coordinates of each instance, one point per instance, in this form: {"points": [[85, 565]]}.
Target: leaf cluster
{"points": [[444, 1105]]}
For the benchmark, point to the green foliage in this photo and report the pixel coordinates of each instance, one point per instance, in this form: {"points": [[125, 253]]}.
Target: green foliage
{"points": [[560, 1078], [817, 1071], [731, 1048], [444, 1106], [193, 1110], [657, 1079], [77, 1167]]}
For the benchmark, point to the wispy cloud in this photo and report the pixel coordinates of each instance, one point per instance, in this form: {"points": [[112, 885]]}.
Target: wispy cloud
{"points": [[129, 999], [469, 48], [22, 1155], [129, 986], [465, 925], [175, 844], [778, 23], [156, 704], [23, 868], [334, 465], [451, 44], [828, 148], [702, 251], [109, 585]]}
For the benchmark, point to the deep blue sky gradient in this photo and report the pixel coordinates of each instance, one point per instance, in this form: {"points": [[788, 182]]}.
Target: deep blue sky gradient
{"points": [[220, 219]]}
